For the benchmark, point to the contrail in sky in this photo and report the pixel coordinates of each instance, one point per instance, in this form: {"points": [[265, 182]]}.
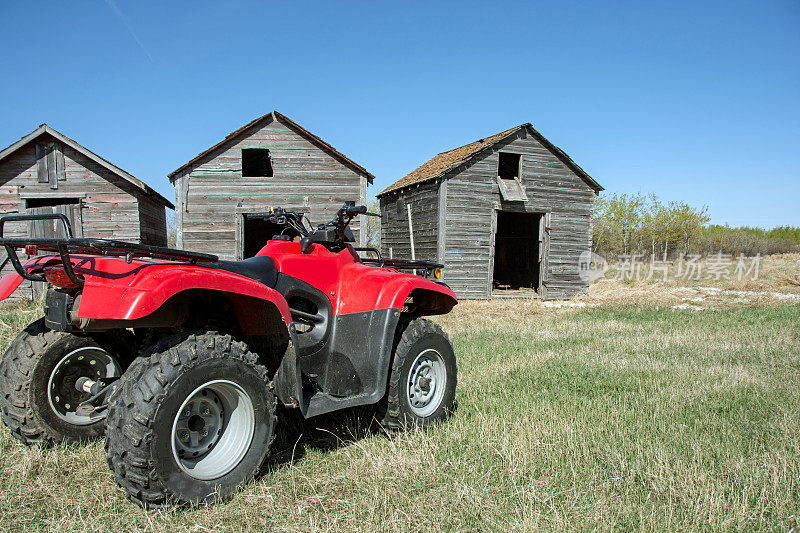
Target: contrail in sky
{"points": [[128, 26]]}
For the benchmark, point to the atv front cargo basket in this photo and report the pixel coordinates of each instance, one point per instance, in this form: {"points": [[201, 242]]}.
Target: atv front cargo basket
{"points": [[71, 245]]}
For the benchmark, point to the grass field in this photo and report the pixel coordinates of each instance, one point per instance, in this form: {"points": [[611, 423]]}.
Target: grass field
{"points": [[622, 414]]}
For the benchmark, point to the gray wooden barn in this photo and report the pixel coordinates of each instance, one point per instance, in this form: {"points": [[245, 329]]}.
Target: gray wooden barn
{"points": [[270, 162], [504, 214], [47, 172]]}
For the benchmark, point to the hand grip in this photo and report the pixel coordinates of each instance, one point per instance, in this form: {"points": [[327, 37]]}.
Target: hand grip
{"points": [[356, 210]]}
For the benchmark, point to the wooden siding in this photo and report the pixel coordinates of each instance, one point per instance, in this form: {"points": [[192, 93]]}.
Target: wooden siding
{"points": [[152, 222], [211, 194], [109, 204], [473, 195], [424, 201]]}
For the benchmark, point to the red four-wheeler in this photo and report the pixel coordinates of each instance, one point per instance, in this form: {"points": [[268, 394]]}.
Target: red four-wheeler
{"points": [[182, 359]]}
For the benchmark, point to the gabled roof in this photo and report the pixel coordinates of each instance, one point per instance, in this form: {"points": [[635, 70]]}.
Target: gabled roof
{"points": [[441, 164], [269, 117], [44, 128]]}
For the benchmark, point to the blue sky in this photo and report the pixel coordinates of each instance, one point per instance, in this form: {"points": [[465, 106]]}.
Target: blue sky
{"points": [[695, 101]]}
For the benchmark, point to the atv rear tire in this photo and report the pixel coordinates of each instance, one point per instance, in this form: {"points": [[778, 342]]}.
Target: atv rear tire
{"points": [[422, 383], [38, 397], [190, 423]]}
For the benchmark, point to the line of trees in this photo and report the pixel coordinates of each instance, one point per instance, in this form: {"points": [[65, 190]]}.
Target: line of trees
{"points": [[634, 223]]}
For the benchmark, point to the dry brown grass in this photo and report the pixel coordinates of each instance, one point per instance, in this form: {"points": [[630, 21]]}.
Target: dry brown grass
{"points": [[773, 286]]}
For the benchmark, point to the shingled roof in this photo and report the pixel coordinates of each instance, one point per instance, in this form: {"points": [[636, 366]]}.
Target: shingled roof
{"points": [[269, 117], [444, 162]]}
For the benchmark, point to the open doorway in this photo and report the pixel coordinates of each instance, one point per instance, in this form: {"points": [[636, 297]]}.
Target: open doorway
{"points": [[517, 251], [256, 232]]}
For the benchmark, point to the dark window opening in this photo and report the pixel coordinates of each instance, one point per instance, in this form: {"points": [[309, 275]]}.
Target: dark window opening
{"points": [[50, 202], [508, 166], [256, 233], [256, 162], [517, 250]]}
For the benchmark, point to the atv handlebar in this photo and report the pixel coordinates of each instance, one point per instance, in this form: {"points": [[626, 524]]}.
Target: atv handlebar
{"points": [[333, 234], [353, 210]]}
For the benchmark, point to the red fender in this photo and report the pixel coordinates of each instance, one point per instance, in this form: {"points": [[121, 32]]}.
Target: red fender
{"points": [[12, 280], [352, 286], [440, 299], [115, 289], [9, 284], [138, 294], [367, 288]]}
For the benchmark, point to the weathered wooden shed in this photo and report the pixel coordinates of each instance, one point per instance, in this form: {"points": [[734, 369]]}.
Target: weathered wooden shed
{"points": [[47, 172], [270, 162], [508, 212]]}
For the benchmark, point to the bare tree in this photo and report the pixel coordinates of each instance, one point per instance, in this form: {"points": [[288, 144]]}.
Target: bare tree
{"points": [[172, 229], [372, 225]]}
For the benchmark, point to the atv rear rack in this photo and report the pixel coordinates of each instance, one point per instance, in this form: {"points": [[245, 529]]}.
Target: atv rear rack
{"points": [[400, 264], [72, 245]]}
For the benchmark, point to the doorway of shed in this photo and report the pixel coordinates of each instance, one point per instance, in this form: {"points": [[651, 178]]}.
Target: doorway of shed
{"points": [[255, 234], [517, 251], [50, 229]]}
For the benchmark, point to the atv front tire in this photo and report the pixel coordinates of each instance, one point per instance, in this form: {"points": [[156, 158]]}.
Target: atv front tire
{"points": [[422, 383], [38, 398], [190, 423]]}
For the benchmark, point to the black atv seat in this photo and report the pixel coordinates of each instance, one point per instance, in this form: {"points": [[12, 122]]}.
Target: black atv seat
{"points": [[261, 269]]}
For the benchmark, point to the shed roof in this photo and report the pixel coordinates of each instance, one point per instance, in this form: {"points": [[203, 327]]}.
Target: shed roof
{"points": [[45, 129], [442, 163], [293, 126]]}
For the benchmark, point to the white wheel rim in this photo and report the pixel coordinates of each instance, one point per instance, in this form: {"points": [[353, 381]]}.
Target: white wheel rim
{"points": [[91, 362], [213, 429], [426, 383]]}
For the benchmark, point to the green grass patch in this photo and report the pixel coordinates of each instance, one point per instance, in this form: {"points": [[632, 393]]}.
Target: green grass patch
{"points": [[623, 418]]}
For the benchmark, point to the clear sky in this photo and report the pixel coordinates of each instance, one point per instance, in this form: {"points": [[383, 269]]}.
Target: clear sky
{"points": [[696, 101]]}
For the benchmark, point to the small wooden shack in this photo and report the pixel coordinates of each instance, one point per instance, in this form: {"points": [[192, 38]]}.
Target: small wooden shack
{"points": [[270, 162], [507, 215], [47, 172]]}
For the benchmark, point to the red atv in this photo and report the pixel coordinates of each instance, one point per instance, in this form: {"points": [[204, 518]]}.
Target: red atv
{"points": [[182, 359]]}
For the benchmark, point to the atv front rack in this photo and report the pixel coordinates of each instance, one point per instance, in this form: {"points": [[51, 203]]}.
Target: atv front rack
{"points": [[71, 245], [399, 264]]}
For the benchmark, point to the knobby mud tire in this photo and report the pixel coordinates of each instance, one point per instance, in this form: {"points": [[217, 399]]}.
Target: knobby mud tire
{"points": [[395, 411], [144, 404], [24, 373]]}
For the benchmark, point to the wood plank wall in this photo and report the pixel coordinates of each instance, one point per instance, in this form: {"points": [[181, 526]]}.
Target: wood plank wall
{"points": [[209, 193], [109, 204], [425, 219], [152, 222]]}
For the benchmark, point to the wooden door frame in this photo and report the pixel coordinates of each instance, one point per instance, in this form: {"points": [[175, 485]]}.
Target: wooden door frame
{"points": [[240, 213], [545, 226], [544, 232], [76, 222]]}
